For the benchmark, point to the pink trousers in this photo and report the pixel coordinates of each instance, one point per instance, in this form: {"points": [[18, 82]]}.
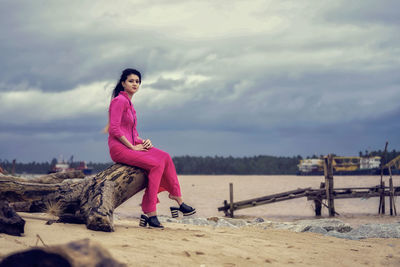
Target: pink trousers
{"points": [[160, 171]]}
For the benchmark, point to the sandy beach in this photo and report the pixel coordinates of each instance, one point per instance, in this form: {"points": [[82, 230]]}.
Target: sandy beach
{"points": [[207, 193], [192, 245], [189, 245]]}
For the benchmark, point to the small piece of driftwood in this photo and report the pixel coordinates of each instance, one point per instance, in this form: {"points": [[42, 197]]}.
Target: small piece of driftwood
{"points": [[10, 222]]}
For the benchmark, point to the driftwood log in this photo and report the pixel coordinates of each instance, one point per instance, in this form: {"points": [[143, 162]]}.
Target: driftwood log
{"points": [[90, 201], [82, 253], [53, 178], [10, 222]]}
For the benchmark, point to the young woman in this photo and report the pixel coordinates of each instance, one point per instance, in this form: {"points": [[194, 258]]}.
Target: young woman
{"points": [[128, 148]]}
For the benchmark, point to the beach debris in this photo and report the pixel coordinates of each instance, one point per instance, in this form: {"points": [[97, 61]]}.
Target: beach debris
{"points": [[391, 230], [10, 222], [237, 222], [327, 224], [214, 219], [77, 254], [318, 225], [258, 220], [329, 227], [53, 208], [316, 229], [39, 239], [89, 201], [196, 221], [339, 229]]}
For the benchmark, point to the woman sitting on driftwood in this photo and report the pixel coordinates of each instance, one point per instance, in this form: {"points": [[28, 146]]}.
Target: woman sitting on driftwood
{"points": [[128, 148]]}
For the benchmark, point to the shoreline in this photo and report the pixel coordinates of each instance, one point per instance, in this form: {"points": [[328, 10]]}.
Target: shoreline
{"points": [[185, 244], [353, 228]]}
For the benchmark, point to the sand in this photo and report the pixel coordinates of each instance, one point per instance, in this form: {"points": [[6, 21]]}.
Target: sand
{"points": [[190, 245]]}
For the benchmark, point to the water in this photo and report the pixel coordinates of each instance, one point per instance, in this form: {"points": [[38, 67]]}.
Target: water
{"points": [[207, 193]]}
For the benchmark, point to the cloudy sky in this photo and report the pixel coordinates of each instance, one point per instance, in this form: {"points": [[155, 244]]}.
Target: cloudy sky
{"points": [[236, 78]]}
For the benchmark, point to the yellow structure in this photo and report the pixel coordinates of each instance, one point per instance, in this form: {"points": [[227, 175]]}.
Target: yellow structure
{"points": [[393, 163], [346, 163]]}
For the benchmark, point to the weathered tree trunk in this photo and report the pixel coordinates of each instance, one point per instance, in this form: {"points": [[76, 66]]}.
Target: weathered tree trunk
{"points": [[77, 254], [10, 222], [52, 178], [91, 200]]}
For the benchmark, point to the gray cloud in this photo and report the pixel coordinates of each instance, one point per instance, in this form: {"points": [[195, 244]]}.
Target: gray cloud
{"points": [[368, 12], [288, 73], [166, 84]]}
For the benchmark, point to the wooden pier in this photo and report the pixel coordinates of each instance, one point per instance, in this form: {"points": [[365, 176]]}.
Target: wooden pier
{"points": [[316, 195], [326, 193]]}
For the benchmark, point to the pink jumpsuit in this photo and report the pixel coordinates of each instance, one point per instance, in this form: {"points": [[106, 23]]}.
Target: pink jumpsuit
{"points": [[158, 164]]}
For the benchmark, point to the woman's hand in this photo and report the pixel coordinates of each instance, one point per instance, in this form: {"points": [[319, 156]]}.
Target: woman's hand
{"points": [[147, 144], [139, 147]]}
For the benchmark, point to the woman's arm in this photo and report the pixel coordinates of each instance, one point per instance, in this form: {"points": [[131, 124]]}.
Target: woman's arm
{"points": [[116, 110], [128, 144]]}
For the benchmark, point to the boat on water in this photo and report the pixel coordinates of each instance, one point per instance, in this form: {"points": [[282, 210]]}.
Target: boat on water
{"points": [[65, 167], [345, 166], [84, 168]]}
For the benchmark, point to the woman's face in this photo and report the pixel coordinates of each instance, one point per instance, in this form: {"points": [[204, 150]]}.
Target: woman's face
{"points": [[131, 84]]}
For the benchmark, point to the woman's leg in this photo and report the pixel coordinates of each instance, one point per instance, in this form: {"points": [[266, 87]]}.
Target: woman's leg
{"points": [[149, 201], [161, 174], [169, 179], [153, 163]]}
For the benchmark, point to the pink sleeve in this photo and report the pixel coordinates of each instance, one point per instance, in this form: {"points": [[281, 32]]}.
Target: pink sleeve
{"points": [[116, 110]]}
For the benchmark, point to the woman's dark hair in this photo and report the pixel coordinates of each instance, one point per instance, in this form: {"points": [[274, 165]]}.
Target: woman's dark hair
{"points": [[118, 88]]}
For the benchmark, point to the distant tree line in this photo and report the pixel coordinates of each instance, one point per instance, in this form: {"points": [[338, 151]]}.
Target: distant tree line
{"points": [[187, 165], [255, 165], [31, 167], [232, 165]]}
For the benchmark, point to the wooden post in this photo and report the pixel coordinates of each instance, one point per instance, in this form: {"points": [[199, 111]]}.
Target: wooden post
{"points": [[390, 196], [318, 202], [231, 200], [226, 212], [328, 171], [318, 206], [381, 209], [392, 199], [382, 199]]}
